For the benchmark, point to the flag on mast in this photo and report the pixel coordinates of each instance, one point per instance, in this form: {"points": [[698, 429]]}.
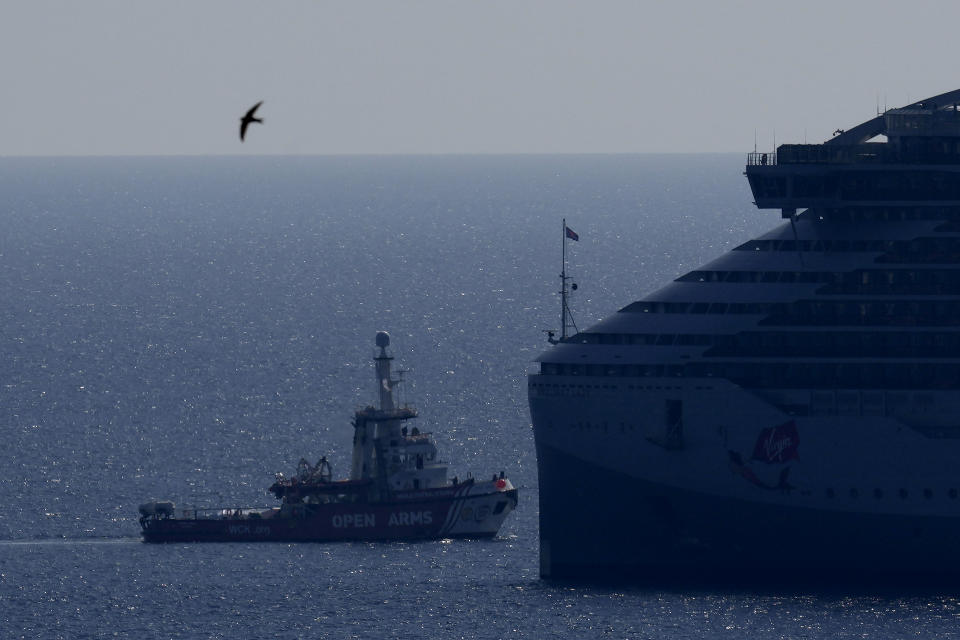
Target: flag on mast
{"points": [[571, 233]]}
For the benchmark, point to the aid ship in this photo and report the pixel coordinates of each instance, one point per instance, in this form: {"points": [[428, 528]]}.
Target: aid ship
{"points": [[791, 408], [398, 490]]}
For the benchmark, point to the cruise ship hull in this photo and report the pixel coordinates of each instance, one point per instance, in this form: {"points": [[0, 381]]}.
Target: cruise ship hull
{"points": [[744, 490], [624, 527]]}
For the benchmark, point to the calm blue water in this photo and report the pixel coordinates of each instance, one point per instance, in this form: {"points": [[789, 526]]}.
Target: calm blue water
{"points": [[183, 328]]}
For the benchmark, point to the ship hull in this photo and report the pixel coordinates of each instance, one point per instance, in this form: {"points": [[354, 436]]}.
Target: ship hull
{"points": [[620, 526], [471, 516], [790, 407]]}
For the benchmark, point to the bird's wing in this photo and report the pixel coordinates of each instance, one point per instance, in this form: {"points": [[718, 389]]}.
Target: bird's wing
{"points": [[248, 118], [252, 110]]}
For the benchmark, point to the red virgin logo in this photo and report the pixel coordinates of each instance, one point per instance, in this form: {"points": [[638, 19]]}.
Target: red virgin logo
{"points": [[777, 444]]}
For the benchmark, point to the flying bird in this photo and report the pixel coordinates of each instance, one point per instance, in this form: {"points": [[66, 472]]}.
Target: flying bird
{"points": [[248, 118]]}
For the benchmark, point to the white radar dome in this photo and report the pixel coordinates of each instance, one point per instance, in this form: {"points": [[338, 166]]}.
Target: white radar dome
{"points": [[383, 339]]}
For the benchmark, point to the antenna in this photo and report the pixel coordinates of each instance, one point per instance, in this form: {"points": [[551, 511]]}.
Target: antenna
{"points": [[400, 387]]}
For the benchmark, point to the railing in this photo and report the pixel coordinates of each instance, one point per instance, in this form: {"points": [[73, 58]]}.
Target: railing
{"points": [[217, 513], [758, 158], [824, 154]]}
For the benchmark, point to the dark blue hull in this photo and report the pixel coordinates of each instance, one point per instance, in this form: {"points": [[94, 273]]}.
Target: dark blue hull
{"points": [[599, 524], [450, 516]]}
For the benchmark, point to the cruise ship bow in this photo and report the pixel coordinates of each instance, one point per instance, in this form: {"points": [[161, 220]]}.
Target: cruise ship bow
{"points": [[791, 408]]}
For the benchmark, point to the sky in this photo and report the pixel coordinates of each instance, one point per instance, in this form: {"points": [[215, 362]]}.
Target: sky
{"points": [[127, 77]]}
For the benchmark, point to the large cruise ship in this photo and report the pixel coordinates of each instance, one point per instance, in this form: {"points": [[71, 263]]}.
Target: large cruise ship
{"points": [[792, 407]]}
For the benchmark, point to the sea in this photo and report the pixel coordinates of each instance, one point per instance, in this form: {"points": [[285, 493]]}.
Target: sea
{"points": [[184, 328]]}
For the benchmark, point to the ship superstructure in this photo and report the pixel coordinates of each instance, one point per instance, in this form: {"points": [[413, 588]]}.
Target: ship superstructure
{"points": [[792, 406]]}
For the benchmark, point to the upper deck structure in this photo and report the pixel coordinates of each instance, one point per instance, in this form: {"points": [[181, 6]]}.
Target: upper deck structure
{"points": [[909, 155]]}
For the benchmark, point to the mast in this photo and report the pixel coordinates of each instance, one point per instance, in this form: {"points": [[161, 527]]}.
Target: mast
{"points": [[566, 318], [385, 383], [563, 285], [376, 426]]}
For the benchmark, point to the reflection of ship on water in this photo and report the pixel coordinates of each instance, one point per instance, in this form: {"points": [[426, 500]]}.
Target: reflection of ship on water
{"points": [[398, 490], [792, 406]]}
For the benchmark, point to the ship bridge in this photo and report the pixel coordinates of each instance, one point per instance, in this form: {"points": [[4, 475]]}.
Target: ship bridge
{"points": [[905, 155]]}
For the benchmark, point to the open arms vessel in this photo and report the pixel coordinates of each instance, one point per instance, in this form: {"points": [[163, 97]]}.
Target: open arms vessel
{"points": [[397, 490]]}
